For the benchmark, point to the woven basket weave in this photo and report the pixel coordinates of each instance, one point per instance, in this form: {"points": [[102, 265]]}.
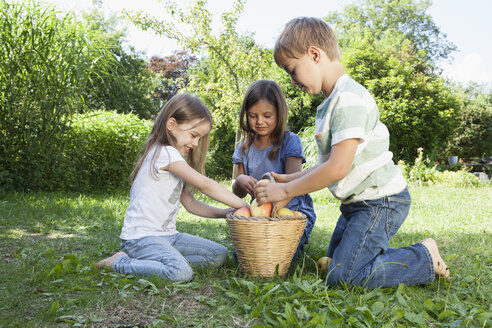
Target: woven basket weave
{"points": [[263, 243]]}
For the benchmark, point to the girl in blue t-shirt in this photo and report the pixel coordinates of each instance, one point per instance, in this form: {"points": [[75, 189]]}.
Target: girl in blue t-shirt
{"points": [[268, 146]]}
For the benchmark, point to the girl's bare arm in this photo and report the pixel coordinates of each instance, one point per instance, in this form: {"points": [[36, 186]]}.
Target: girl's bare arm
{"points": [[208, 186], [194, 206]]}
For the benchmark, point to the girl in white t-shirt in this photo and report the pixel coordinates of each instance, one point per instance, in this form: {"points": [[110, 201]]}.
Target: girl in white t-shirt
{"points": [[150, 243]]}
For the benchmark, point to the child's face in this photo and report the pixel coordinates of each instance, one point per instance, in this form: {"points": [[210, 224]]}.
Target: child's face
{"points": [[262, 118], [304, 73], [187, 134]]}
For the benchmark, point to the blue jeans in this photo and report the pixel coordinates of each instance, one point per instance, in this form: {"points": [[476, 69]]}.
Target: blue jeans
{"points": [[170, 257], [359, 246], [303, 204]]}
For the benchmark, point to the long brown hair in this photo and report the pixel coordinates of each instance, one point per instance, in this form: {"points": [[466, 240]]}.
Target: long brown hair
{"points": [[183, 108], [268, 91]]}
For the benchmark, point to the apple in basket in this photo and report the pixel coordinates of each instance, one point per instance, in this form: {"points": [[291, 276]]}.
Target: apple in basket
{"points": [[243, 211], [323, 263], [263, 210], [285, 211], [297, 213]]}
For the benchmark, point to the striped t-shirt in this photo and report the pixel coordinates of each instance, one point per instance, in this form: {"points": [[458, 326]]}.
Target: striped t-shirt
{"points": [[351, 112]]}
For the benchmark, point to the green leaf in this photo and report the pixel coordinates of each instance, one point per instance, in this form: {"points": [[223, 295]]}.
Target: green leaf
{"points": [[446, 314], [366, 313], [415, 318], [400, 297], [397, 315], [289, 314], [377, 307], [54, 307], [429, 305]]}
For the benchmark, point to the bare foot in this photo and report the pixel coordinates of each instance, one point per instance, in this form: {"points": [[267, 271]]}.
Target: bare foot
{"points": [[108, 261], [440, 268]]}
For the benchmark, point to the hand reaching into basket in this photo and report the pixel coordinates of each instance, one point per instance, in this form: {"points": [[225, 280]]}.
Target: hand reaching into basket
{"points": [[276, 192], [246, 183], [267, 192]]}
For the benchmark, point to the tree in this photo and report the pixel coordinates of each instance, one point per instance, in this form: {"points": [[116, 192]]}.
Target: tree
{"points": [[379, 18], [473, 135], [418, 109], [172, 71], [229, 63], [122, 82], [391, 47]]}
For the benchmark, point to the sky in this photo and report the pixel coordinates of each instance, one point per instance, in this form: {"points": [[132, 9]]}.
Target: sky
{"points": [[467, 24]]}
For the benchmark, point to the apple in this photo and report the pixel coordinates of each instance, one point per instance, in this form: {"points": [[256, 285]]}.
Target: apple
{"points": [[297, 213], [243, 211], [285, 211], [263, 210], [323, 263]]}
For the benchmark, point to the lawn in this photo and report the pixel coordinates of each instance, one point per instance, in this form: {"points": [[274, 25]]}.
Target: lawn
{"points": [[49, 243]]}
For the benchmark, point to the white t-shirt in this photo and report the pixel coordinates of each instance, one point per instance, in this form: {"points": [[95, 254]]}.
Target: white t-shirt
{"points": [[154, 203]]}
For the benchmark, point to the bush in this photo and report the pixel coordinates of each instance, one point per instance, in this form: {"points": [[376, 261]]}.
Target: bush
{"points": [[417, 107], [44, 58], [473, 135], [102, 149], [309, 146], [423, 172]]}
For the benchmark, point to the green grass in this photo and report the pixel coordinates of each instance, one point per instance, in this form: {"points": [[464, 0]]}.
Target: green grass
{"points": [[50, 241]]}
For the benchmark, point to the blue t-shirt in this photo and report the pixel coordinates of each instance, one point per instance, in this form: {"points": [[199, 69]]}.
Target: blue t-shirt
{"points": [[256, 163]]}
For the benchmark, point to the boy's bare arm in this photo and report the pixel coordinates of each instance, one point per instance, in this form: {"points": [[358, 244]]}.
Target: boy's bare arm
{"points": [[293, 165], [289, 177], [324, 175]]}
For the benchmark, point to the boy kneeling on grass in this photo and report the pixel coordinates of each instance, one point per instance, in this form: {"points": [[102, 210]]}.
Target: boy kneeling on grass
{"points": [[355, 164]]}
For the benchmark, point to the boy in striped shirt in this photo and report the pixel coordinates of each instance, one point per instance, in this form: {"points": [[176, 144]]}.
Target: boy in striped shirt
{"points": [[355, 164]]}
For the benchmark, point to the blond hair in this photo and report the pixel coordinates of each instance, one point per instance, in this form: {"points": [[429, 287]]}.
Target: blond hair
{"points": [[303, 32], [269, 91], [183, 108]]}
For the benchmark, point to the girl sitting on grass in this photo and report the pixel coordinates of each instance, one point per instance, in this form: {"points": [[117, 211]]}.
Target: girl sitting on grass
{"points": [[150, 243], [268, 146]]}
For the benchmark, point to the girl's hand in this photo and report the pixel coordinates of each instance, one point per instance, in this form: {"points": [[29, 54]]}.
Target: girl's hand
{"points": [[226, 211], [270, 192], [247, 183]]}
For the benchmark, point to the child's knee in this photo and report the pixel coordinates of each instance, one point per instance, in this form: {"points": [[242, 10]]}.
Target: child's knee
{"points": [[184, 273], [220, 256], [338, 273]]}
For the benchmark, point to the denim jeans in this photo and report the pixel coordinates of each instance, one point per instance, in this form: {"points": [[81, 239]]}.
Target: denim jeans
{"points": [[170, 257], [359, 246]]}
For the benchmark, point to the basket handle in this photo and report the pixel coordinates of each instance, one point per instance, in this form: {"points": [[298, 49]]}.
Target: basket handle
{"points": [[268, 176]]}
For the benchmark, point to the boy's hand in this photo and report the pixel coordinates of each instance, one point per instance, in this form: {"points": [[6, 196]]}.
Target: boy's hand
{"points": [[247, 183], [267, 192], [281, 177]]}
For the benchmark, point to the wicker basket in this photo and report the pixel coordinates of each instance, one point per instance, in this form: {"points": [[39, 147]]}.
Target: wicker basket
{"points": [[263, 243]]}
